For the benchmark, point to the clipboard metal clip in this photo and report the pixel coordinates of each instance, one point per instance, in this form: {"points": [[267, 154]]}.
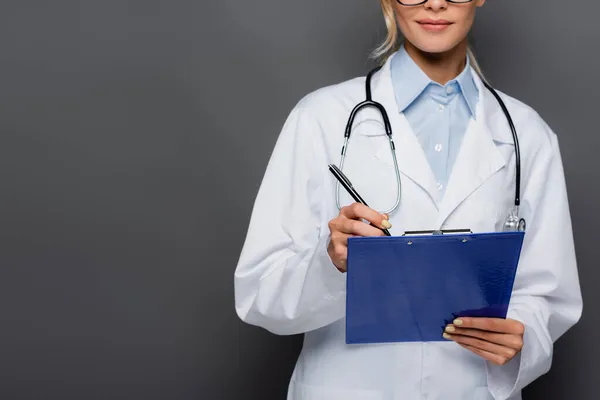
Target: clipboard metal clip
{"points": [[436, 232]]}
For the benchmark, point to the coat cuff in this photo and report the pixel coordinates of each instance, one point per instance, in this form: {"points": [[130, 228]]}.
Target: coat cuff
{"points": [[533, 361]]}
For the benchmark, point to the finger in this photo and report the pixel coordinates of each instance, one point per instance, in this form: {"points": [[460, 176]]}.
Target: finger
{"points": [[339, 239], [502, 339], [491, 325], [341, 265], [496, 359], [358, 228], [483, 345], [360, 211], [338, 250]]}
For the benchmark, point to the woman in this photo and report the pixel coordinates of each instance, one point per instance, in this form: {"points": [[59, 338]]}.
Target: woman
{"points": [[457, 161]]}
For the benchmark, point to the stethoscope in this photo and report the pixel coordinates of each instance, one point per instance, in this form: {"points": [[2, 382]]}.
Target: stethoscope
{"points": [[513, 221]]}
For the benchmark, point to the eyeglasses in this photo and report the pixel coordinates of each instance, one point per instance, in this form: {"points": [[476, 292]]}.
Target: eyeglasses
{"points": [[419, 2]]}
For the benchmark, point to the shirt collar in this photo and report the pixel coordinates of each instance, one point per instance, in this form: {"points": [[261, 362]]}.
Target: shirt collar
{"points": [[409, 82]]}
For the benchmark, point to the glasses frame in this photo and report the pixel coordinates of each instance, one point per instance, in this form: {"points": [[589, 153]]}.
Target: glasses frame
{"points": [[425, 1]]}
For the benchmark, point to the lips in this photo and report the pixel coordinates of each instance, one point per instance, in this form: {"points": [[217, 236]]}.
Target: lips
{"points": [[434, 22], [434, 25]]}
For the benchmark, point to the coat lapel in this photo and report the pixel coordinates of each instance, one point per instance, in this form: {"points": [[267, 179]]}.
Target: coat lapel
{"points": [[479, 157], [412, 161]]}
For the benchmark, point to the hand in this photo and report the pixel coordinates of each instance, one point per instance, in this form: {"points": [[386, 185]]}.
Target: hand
{"points": [[496, 340], [347, 224]]}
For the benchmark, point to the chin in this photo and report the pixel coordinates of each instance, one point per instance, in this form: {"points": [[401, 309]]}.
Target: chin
{"points": [[436, 47], [436, 44]]}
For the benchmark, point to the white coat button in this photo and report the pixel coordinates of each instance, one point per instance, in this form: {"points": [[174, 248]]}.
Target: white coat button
{"points": [[441, 108], [438, 147]]}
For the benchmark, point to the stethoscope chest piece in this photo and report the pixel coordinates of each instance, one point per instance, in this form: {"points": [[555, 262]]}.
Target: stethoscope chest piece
{"points": [[513, 222]]}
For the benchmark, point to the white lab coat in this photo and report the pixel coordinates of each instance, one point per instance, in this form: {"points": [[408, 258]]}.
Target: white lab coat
{"points": [[286, 283]]}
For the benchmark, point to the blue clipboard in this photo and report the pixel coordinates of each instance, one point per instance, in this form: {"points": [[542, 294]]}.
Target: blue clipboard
{"points": [[408, 288]]}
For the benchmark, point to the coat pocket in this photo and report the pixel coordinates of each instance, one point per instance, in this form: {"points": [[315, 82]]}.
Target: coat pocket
{"points": [[300, 391]]}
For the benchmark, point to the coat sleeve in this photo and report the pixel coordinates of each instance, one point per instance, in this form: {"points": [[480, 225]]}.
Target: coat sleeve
{"points": [[285, 281], [546, 296]]}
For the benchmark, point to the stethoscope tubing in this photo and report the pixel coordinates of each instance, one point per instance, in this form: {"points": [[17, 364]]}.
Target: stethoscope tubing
{"points": [[369, 102]]}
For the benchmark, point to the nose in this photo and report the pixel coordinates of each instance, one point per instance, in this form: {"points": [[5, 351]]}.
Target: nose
{"points": [[436, 5]]}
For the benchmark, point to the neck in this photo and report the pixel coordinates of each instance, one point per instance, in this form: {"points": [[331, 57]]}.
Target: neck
{"points": [[440, 67]]}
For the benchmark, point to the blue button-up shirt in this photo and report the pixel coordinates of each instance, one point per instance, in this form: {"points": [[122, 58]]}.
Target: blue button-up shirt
{"points": [[438, 115]]}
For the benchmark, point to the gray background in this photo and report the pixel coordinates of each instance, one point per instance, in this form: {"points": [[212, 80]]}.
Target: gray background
{"points": [[134, 135]]}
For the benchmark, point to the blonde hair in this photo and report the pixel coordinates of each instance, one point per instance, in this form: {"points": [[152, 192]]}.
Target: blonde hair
{"points": [[391, 44]]}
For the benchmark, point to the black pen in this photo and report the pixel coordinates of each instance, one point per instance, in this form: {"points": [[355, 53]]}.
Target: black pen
{"points": [[345, 182]]}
